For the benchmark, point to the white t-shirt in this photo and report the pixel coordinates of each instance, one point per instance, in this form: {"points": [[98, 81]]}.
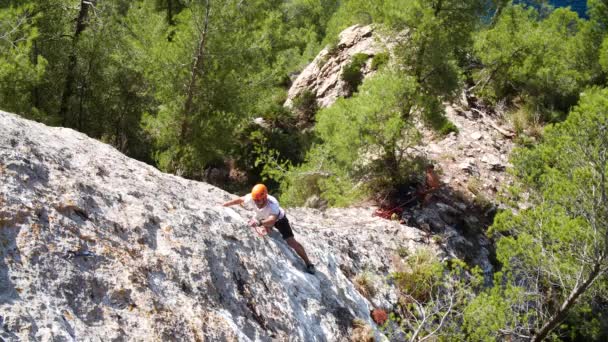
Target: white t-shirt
{"points": [[271, 208]]}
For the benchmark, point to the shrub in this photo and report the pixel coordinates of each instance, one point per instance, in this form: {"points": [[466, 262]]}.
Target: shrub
{"points": [[306, 105], [379, 60], [403, 251], [528, 122], [447, 128], [364, 143], [530, 57], [351, 73], [419, 274], [433, 117], [268, 150]]}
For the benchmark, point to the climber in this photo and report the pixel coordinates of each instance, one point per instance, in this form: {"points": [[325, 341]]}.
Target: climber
{"points": [[268, 214], [431, 185]]}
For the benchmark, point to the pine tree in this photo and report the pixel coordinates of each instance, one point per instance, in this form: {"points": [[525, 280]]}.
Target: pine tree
{"points": [[554, 254]]}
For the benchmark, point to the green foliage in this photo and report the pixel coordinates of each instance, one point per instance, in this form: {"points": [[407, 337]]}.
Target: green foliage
{"points": [[598, 12], [132, 61], [556, 248], [266, 151], [352, 74], [546, 62], [229, 91], [20, 73], [433, 117], [603, 55], [420, 273], [585, 324], [275, 151], [433, 297], [438, 41], [305, 23], [349, 13], [379, 60], [490, 315], [527, 122], [306, 104], [364, 140]]}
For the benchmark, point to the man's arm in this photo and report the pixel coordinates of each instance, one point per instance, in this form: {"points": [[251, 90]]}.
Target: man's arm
{"points": [[268, 222], [239, 200]]}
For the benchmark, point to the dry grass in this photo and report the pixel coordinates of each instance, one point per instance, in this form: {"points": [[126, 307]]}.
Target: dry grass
{"points": [[474, 185], [526, 122], [362, 332], [365, 285]]}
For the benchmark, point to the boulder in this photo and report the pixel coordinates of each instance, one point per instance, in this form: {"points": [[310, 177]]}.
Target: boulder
{"points": [[322, 76]]}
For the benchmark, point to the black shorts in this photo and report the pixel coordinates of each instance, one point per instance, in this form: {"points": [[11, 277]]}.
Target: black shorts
{"points": [[284, 227]]}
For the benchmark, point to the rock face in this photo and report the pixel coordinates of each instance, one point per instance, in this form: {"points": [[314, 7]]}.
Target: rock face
{"points": [[99, 247], [473, 161], [322, 76]]}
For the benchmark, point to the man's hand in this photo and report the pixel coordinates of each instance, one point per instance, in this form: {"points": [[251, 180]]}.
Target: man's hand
{"points": [[253, 222], [259, 227]]}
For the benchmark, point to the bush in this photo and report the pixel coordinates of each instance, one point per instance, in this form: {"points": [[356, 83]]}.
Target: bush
{"points": [[447, 128], [362, 332], [266, 151], [532, 58], [379, 60], [526, 122], [433, 117], [364, 142], [351, 73], [306, 105], [419, 275]]}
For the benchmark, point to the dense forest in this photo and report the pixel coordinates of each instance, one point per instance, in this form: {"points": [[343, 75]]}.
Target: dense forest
{"points": [[177, 84]]}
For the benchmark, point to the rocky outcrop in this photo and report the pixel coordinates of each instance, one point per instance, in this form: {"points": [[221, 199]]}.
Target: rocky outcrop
{"points": [[322, 75], [97, 246], [473, 161]]}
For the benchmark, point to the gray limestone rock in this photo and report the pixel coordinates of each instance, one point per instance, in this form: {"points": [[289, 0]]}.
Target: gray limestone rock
{"points": [[322, 76], [97, 246]]}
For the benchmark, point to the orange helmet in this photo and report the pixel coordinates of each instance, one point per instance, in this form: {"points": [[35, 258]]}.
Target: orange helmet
{"points": [[259, 192]]}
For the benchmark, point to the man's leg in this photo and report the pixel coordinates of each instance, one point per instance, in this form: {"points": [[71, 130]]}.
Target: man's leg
{"points": [[298, 248], [285, 228]]}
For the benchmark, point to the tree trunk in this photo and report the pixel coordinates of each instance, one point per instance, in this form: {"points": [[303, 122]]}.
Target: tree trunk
{"points": [[437, 8], [170, 13], [36, 89], [197, 67], [81, 24], [499, 7], [561, 313]]}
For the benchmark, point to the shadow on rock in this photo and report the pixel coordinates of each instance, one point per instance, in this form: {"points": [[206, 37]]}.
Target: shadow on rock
{"points": [[8, 252], [454, 220]]}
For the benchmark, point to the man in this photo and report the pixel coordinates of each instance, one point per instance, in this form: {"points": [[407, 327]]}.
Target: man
{"points": [[432, 183], [269, 214]]}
